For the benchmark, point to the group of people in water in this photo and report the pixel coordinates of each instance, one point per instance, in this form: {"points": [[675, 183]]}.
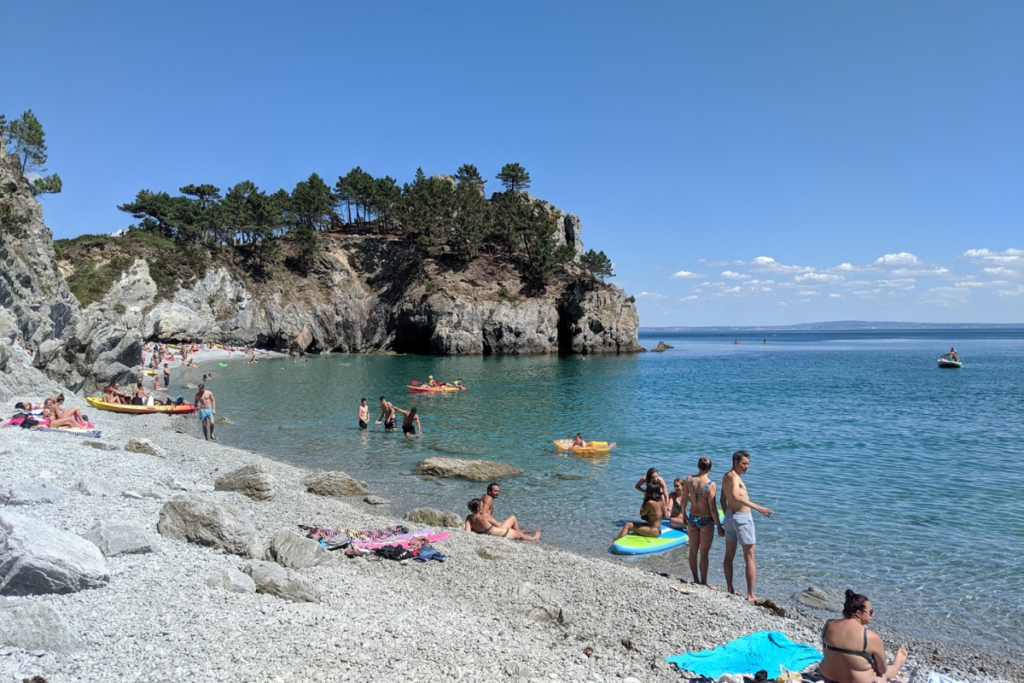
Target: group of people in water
{"points": [[410, 418], [691, 507]]}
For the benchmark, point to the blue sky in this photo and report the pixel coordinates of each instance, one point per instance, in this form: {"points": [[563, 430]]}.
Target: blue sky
{"points": [[742, 163]]}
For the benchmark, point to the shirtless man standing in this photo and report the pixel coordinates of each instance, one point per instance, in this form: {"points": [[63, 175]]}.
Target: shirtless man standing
{"points": [[487, 505], [387, 414], [207, 405], [739, 524], [364, 414]]}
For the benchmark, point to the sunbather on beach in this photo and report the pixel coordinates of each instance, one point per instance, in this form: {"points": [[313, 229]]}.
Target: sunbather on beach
{"points": [[652, 512], [61, 412], [853, 654], [479, 522], [69, 419], [487, 500]]}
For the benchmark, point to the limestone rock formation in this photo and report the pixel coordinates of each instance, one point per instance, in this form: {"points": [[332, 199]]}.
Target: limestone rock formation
{"points": [[335, 484], [477, 470], [290, 549], [204, 523], [232, 581], [434, 518], [273, 579], [252, 480], [119, 538], [32, 626], [36, 558]]}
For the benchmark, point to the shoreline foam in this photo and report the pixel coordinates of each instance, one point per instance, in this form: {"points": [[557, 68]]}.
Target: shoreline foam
{"points": [[468, 618]]}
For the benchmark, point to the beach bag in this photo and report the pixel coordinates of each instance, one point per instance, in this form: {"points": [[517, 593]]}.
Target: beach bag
{"points": [[28, 422], [393, 552]]}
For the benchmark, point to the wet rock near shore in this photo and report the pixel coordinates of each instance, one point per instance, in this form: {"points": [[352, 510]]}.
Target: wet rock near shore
{"points": [[662, 346], [477, 470]]}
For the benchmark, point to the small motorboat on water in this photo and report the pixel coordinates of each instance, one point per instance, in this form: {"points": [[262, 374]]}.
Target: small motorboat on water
{"points": [[947, 362]]}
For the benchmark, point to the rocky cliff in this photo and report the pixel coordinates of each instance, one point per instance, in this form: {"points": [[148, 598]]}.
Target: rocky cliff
{"points": [[365, 294], [38, 312], [375, 294]]}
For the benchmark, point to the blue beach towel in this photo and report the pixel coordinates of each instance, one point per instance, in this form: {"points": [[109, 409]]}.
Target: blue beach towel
{"points": [[762, 650]]}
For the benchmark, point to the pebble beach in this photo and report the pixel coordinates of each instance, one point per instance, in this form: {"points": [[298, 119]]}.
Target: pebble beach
{"points": [[495, 610]]}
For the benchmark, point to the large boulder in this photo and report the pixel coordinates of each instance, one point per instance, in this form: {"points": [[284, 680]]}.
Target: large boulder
{"points": [[36, 558], [273, 579], [434, 518], [290, 549], [30, 493], [232, 581], [477, 470], [335, 484], [252, 480], [31, 625], [119, 538], [144, 446], [209, 524], [94, 486]]}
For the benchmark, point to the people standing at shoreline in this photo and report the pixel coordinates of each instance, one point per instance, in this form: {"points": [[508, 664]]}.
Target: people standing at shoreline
{"points": [[167, 375], [739, 523], [702, 518], [387, 415], [644, 483], [480, 522], [410, 422], [207, 405], [488, 505], [364, 414], [843, 662]]}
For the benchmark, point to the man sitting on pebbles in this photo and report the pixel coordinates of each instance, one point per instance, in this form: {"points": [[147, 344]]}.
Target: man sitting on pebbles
{"points": [[479, 522], [487, 500]]}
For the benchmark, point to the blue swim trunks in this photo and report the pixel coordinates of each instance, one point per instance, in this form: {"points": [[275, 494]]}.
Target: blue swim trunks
{"points": [[205, 414]]}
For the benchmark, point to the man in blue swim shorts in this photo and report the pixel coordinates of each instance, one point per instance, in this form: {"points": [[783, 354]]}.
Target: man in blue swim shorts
{"points": [[207, 405], [739, 523]]}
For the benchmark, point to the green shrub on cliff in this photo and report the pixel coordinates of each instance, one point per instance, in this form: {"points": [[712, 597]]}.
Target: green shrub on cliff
{"points": [[91, 280]]}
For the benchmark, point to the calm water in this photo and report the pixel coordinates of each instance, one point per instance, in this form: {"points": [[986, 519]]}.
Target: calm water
{"points": [[886, 473]]}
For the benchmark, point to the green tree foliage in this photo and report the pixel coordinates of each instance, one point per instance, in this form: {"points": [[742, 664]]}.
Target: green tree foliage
{"points": [[312, 204], [596, 265], [425, 210], [251, 218], [514, 178], [29, 147]]}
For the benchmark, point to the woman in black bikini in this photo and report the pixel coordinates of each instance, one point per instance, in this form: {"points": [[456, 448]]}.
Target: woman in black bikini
{"points": [[653, 511], [702, 519], [479, 522], [853, 654]]}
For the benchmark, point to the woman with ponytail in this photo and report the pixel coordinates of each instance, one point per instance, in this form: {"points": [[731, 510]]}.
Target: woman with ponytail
{"points": [[853, 654]]}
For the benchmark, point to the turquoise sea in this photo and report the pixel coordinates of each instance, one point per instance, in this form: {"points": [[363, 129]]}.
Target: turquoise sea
{"points": [[886, 473]]}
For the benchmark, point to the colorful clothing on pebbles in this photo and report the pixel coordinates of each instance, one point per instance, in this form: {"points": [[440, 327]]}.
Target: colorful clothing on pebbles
{"points": [[371, 539]]}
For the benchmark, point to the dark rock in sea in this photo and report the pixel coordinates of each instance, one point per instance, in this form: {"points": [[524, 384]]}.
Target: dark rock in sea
{"points": [[36, 558], [375, 500], [662, 346], [209, 524], [477, 470], [819, 599]]}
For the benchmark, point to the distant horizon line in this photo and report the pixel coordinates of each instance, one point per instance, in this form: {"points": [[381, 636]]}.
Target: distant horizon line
{"points": [[838, 325]]}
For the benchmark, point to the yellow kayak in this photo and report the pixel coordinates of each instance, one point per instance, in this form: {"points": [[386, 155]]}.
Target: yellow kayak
{"points": [[591, 447], [183, 409]]}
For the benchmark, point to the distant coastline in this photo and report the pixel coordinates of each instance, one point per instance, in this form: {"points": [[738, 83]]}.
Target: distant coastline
{"points": [[842, 325]]}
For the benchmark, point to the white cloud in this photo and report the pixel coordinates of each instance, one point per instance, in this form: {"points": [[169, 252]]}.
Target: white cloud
{"points": [[1011, 292], [968, 283], [657, 267], [730, 275], [649, 295], [766, 264], [731, 290], [901, 259], [984, 256], [810, 293], [904, 283], [692, 297], [833, 295], [683, 275], [904, 272], [819, 278], [999, 270], [843, 268]]}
